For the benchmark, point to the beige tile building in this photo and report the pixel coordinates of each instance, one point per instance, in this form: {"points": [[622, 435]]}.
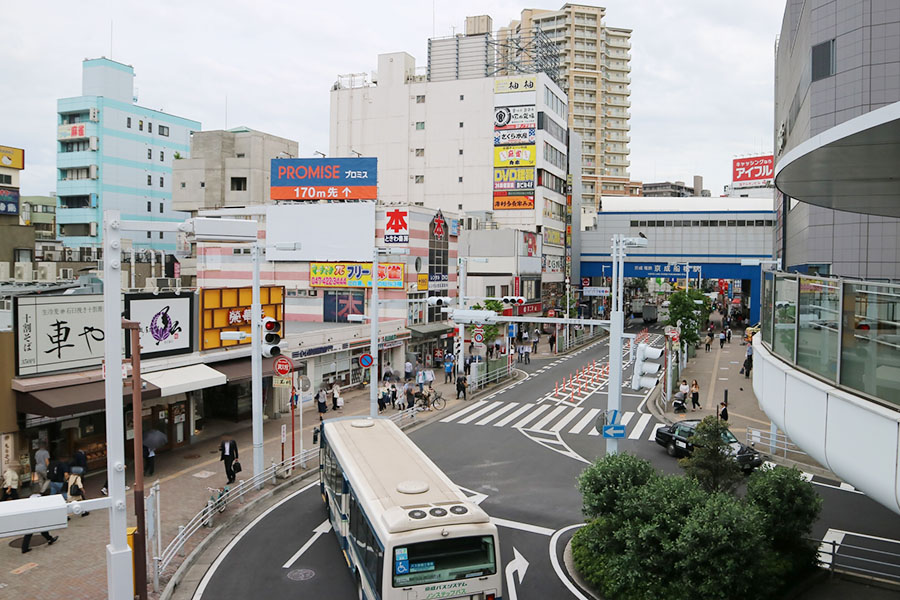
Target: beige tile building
{"points": [[594, 70]]}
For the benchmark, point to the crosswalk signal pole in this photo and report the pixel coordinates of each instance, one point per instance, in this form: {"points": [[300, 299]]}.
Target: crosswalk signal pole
{"points": [[616, 331]]}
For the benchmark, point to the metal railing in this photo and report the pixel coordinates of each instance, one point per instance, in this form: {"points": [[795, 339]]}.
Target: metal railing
{"points": [[488, 377], [840, 557], [579, 340], [778, 444]]}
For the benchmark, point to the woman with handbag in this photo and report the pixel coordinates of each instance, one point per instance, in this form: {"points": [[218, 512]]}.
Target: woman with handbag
{"points": [[75, 487]]}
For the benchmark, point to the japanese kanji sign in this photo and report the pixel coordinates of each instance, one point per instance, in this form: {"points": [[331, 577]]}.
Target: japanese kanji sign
{"points": [[396, 227], [324, 179], [166, 323], [754, 171], [515, 117], [56, 333], [439, 225], [228, 309], [516, 83], [514, 156], [502, 201], [355, 275]]}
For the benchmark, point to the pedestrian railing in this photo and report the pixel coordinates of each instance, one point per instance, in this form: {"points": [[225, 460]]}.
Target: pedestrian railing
{"points": [[404, 418], [583, 338], [488, 377], [839, 556], [778, 443]]}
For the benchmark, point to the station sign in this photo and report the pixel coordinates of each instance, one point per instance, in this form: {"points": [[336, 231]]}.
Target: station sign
{"points": [[324, 179]]}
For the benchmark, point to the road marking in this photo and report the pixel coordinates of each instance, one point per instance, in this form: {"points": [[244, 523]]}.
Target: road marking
{"points": [[505, 407], [473, 496], [517, 565], [626, 417], [539, 426], [829, 546], [207, 577], [566, 419], [480, 413], [534, 414], [464, 411], [639, 428], [554, 560], [522, 526], [507, 420], [847, 487], [323, 528], [652, 436], [588, 418]]}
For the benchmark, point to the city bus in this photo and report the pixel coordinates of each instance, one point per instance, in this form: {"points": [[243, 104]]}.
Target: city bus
{"points": [[406, 531]]}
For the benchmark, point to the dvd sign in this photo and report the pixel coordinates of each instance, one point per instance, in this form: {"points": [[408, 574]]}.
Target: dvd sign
{"points": [[514, 179]]}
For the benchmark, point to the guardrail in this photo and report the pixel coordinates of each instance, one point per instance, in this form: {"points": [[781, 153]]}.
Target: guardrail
{"points": [[779, 444], [838, 556], [489, 377], [579, 340]]}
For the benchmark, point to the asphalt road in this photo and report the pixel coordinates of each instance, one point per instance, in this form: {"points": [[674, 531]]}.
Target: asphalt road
{"points": [[520, 450]]}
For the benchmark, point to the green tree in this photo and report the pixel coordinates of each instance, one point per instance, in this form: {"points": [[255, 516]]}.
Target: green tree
{"points": [[712, 462], [491, 331], [637, 285], [682, 307], [788, 506], [603, 483]]}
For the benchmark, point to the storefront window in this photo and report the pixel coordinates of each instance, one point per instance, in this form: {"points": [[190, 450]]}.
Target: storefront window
{"points": [[336, 305]]}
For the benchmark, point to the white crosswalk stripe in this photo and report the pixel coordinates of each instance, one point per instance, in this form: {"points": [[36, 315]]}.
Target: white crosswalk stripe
{"points": [[506, 407], [565, 420], [553, 414], [639, 427], [588, 418], [463, 412], [505, 421], [534, 414], [480, 413]]}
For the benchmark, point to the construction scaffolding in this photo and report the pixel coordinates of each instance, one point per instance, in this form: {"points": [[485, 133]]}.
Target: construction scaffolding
{"points": [[526, 51]]}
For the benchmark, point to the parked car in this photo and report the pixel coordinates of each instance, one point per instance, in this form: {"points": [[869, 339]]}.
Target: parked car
{"points": [[676, 438]]}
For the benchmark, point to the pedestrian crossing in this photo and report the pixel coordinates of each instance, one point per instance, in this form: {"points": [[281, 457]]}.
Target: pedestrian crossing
{"points": [[549, 418]]}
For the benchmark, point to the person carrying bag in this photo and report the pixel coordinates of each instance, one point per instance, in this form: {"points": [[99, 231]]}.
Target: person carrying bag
{"points": [[76, 490]]}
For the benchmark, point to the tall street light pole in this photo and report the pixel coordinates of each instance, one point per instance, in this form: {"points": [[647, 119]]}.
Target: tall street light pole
{"points": [[256, 366], [373, 335]]}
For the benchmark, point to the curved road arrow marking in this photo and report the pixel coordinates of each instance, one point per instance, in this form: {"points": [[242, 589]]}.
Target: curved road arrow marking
{"points": [[473, 496], [554, 560], [322, 529], [518, 563]]}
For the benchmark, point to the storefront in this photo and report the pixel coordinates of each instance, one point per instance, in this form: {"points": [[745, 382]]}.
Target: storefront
{"points": [[429, 343]]}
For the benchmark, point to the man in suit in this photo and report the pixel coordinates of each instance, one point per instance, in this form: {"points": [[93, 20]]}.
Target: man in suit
{"points": [[228, 451]]}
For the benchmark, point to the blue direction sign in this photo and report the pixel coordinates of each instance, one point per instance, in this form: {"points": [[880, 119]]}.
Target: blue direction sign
{"points": [[613, 431]]}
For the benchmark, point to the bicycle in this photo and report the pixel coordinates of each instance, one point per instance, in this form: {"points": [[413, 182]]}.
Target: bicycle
{"points": [[437, 401], [217, 499]]}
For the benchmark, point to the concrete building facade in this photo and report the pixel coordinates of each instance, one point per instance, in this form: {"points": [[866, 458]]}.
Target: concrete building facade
{"points": [[114, 154], [595, 67], [836, 61]]}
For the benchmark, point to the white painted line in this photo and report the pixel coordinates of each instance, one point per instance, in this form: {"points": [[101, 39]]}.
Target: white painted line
{"points": [[546, 420], [807, 477], [588, 418], [639, 428], [554, 560], [723, 379], [520, 411], [506, 407], [522, 526], [322, 529], [626, 417], [234, 541], [464, 411], [847, 487], [479, 413], [827, 548], [531, 416], [652, 436], [566, 419]]}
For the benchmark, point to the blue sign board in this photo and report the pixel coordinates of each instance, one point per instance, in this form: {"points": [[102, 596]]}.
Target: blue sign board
{"points": [[512, 330], [9, 201], [324, 179], [613, 431]]}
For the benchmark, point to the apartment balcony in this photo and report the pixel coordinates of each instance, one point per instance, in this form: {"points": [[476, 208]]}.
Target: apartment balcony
{"points": [[617, 150], [615, 161], [614, 100], [611, 136], [618, 126], [618, 42], [616, 77]]}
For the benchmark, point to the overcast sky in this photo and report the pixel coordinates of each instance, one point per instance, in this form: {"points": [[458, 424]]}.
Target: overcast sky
{"points": [[702, 82]]}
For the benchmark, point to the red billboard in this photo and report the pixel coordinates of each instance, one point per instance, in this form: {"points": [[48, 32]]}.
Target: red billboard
{"points": [[753, 171]]}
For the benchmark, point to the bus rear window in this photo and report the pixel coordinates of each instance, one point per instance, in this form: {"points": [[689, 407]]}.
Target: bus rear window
{"points": [[444, 560]]}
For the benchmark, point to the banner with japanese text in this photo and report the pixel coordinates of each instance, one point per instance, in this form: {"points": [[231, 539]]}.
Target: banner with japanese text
{"points": [[355, 274], [166, 323], [228, 309]]}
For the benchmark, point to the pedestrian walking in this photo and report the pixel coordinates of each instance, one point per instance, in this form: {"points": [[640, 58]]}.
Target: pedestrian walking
{"points": [[420, 380], [723, 411], [79, 462], [536, 337], [728, 335], [384, 396], [721, 340], [448, 371], [527, 354], [709, 339], [525, 337], [750, 350], [57, 474], [461, 383], [322, 401], [393, 396], [408, 371], [387, 372], [552, 343], [335, 394], [520, 353], [149, 460], [695, 395], [75, 489], [228, 452], [10, 484], [26, 541], [41, 464], [748, 366], [468, 366], [410, 396]]}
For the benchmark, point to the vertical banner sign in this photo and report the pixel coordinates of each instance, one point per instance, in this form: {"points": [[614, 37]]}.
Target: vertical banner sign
{"points": [[396, 226], [324, 179]]}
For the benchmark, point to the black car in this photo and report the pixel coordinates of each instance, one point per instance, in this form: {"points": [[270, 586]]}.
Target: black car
{"points": [[676, 438]]}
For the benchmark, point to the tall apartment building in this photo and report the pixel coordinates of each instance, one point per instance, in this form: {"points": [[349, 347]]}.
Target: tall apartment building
{"points": [[114, 154], [594, 70]]}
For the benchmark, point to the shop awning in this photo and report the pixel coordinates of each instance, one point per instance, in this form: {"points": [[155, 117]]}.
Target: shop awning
{"points": [[185, 379], [430, 329], [74, 399], [239, 368]]}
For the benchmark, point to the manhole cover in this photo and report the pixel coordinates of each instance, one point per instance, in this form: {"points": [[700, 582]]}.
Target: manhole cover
{"points": [[191, 456], [36, 540], [301, 574]]}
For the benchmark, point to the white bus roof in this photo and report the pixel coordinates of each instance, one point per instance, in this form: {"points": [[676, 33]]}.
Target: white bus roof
{"points": [[388, 471]]}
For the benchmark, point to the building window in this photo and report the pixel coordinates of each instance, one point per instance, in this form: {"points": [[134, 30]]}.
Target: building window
{"points": [[420, 179], [460, 151], [161, 182], [420, 99], [160, 235], [160, 208], [6, 179], [420, 125], [490, 291], [149, 154], [163, 131], [148, 235], [823, 60], [420, 152], [504, 290], [460, 124], [183, 185], [460, 179], [462, 97], [162, 156], [203, 184], [149, 180], [149, 127], [140, 125], [238, 184], [148, 206], [128, 122]]}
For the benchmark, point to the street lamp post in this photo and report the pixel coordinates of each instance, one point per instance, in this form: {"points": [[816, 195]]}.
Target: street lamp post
{"points": [[463, 261], [373, 327]]}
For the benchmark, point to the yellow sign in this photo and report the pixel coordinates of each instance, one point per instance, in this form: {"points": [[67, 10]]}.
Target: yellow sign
{"points": [[514, 156], [357, 275], [516, 83], [503, 202], [422, 282], [228, 309], [12, 158]]}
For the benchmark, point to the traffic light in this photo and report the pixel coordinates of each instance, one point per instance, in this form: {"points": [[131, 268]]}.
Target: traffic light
{"points": [[641, 367], [271, 337], [438, 301], [514, 300]]}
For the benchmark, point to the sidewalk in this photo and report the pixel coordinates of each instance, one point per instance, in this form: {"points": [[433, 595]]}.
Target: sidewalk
{"points": [[74, 568]]}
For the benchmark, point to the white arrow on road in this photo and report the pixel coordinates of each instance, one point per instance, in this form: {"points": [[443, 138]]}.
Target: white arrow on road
{"points": [[476, 497], [518, 563], [323, 528]]}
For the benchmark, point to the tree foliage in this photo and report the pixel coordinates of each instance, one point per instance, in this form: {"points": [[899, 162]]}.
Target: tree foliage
{"points": [[491, 331], [712, 462], [603, 483], [681, 308]]}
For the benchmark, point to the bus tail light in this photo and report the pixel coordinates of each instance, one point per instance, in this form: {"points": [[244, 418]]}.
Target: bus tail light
{"points": [[489, 596]]}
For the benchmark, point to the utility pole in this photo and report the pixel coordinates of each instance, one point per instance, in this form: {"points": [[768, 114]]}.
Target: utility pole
{"points": [[140, 547], [373, 334], [461, 361], [616, 331], [256, 366]]}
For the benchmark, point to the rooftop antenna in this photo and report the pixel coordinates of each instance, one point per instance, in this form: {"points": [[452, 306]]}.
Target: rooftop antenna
{"points": [[433, 30], [110, 39], [226, 111]]}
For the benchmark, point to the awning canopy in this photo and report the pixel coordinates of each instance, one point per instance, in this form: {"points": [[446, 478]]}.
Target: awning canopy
{"points": [[429, 329], [74, 399], [239, 369], [185, 379]]}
